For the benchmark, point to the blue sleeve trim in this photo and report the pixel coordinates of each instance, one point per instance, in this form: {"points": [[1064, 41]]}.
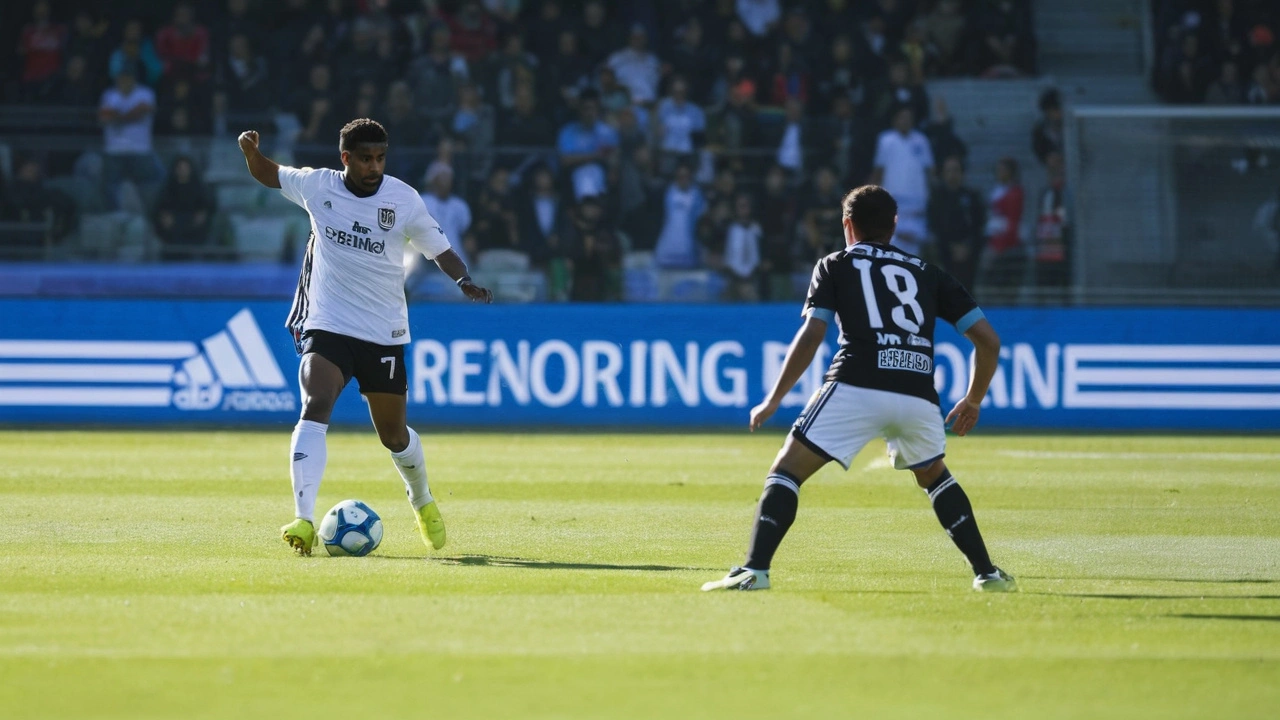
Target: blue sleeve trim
{"points": [[970, 319], [823, 314]]}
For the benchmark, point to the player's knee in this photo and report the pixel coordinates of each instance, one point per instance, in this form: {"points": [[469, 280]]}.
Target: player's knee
{"points": [[929, 474], [317, 407], [395, 441]]}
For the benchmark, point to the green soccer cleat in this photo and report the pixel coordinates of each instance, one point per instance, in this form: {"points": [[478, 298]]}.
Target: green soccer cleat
{"points": [[301, 536], [431, 525]]}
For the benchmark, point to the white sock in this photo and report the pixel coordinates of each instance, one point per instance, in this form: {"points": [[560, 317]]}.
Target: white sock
{"points": [[309, 455], [413, 468]]}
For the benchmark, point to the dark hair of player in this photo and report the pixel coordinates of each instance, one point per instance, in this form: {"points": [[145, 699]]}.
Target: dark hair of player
{"points": [[362, 131], [873, 212]]}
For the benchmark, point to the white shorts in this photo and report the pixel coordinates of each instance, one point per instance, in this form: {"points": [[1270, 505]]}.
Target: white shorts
{"points": [[841, 419]]}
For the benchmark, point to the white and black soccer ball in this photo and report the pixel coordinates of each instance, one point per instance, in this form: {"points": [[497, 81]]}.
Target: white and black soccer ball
{"points": [[351, 528]]}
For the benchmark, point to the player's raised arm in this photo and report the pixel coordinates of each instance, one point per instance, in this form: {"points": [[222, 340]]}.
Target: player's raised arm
{"points": [[803, 347], [986, 345], [263, 169]]}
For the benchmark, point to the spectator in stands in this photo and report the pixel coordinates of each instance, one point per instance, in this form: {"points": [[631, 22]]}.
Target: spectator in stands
{"points": [[898, 92], [1186, 72], [412, 133], [506, 71], [1007, 45], [836, 75], [641, 190], [138, 54], [942, 135], [958, 223], [1046, 136], [526, 125], [473, 34], [842, 139], [1265, 88], [435, 76], [29, 200], [183, 46], [369, 57], [789, 79], [637, 69], [1004, 258], [244, 78], [1226, 89], [76, 87], [760, 17], [742, 252], [796, 133], [474, 125], [452, 212], [314, 108], [542, 32], [873, 45], [613, 95], [600, 33], [594, 253], [914, 51], [1053, 231], [946, 29], [126, 112], [237, 18], [88, 40], [820, 217], [679, 126], [565, 75], [690, 59], [495, 226], [585, 147], [904, 166], [366, 99], [183, 212], [541, 216], [778, 215], [41, 46], [185, 109], [684, 204]]}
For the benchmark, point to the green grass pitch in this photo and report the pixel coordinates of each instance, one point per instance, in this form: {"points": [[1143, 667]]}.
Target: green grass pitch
{"points": [[141, 576]]}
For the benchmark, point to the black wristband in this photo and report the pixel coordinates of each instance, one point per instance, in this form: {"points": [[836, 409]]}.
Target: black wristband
{"points": [[463, 279]]}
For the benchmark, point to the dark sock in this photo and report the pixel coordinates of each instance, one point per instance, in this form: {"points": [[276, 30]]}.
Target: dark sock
{"points": [[951, 505], [777, 511]]}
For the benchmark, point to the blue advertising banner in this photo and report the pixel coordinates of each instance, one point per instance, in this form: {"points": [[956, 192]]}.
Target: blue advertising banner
{"points": [[221, 362]]}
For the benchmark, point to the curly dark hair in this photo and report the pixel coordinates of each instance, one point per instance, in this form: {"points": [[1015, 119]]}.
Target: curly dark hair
{"points": [[873, 212], [360, 131]]}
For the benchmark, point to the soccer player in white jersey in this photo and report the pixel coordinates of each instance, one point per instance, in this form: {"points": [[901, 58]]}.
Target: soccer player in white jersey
{"points": [[349, 317], [880, 384]]}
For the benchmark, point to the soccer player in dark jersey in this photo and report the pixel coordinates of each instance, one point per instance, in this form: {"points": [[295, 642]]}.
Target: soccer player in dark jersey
{"points": [[880, 384]]}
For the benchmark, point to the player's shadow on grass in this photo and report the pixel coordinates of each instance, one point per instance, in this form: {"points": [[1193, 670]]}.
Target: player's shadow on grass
{"points": [[518, 562], [1250, 618], [1155, 596], [1223, 581]]}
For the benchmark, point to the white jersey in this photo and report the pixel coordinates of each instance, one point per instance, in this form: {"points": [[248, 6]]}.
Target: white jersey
{"points": [[352, 279]]}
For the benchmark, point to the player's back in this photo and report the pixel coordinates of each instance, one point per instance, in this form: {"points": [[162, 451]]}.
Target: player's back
{"points": [[887, 302]]}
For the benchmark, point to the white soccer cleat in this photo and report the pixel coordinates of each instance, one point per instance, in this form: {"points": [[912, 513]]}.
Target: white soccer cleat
{"points": [[740, 579], [998, 581]]}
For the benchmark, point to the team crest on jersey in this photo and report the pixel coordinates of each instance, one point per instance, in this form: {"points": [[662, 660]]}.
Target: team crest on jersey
{"points": [[386, 218]]}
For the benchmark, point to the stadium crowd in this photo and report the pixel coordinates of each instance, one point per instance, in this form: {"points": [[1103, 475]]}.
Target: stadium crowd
{"points": [[1217, 52], [570, 137]]}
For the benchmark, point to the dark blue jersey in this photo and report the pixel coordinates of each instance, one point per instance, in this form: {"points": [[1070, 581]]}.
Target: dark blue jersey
{"points": [[886, 302]]}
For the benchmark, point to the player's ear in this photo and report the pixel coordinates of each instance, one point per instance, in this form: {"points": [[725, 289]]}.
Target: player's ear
{"points": [[346, 158]]}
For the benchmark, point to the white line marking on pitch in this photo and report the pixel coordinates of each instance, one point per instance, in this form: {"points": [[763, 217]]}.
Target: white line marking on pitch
{"points": [[1094, 455]]}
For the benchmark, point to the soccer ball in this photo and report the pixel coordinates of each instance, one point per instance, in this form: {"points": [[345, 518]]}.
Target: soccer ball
{"points": [[351, 528]]}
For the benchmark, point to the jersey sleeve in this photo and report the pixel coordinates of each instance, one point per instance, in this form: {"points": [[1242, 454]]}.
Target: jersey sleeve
{"points": [[955, 304], [297, 184], [425, 234], [821, 301]]}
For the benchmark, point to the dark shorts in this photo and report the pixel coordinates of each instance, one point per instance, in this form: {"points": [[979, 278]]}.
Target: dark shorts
{"points": [[378, 368]]}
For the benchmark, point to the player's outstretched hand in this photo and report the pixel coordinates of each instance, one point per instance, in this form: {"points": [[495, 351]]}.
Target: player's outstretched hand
{"points": [[761, 413], [963, 417], [477, 293], [248, 141]]}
